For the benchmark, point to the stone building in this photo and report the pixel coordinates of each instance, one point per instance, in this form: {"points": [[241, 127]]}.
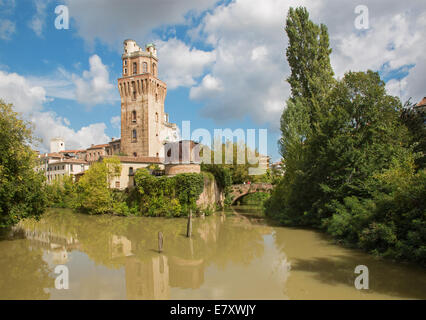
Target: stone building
{"points": [[143, 120], [114, 147], [65, 167], [95, 152], [129, 165], [60, 162], [182, 157]]}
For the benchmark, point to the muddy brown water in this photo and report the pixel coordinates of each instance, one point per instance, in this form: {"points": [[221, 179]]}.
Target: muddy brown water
{"points": [[231, 256]]}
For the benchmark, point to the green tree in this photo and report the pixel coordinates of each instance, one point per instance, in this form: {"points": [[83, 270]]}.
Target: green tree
{"points": [[21, 186], [94, 194], [61, 193], [308, 55], [415, 119], [349, 159]]}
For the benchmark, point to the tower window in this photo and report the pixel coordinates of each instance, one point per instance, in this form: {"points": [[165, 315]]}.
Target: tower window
{"points": [[135, 68], [135, 154], [145, 67], [133, 116], [154, 69], [134, 90], [156, 117], [125, 70], [125, 62], [134, 134]]}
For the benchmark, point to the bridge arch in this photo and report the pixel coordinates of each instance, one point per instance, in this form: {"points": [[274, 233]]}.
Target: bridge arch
{"points": [[240, 190]]}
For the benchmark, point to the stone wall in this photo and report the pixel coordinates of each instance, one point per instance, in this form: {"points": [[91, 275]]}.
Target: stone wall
{"points": [[211, 194], [174, 169]]}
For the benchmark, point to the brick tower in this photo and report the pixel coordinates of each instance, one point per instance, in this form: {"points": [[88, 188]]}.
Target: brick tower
{"points": [[142, 102]]}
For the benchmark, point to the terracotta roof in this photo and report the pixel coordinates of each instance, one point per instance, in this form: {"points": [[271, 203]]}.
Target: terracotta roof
{"points": [[72, 151], [422, 103], [98, 146], [52, 155], [135, 159], [70, 161]]}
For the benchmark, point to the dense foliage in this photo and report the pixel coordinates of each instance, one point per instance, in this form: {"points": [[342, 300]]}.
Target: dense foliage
{"points": [[21, 186], [256, 198], [92, 193], [166, 196], [415, 119], [152, 196], [351, 163]]}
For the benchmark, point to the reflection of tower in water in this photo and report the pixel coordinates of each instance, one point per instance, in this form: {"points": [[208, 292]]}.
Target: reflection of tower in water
{"points": [[150, 277], [186, 273], [147, 279]]}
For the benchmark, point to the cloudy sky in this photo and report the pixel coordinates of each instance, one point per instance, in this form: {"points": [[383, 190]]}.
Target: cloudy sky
{"points": [[223, 61]]}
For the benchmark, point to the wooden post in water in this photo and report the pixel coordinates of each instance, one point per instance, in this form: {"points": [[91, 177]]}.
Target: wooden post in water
{"points": [[189, 225], [160, 242]]}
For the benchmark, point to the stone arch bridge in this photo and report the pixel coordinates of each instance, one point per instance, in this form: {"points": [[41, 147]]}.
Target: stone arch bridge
{"points": [[240, 190]]}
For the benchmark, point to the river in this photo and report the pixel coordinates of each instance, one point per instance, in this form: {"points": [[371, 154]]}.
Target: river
{"points": [[231, 255]]}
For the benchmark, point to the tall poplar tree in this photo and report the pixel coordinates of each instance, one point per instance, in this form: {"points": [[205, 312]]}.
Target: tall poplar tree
{"points": [[308, 55]]}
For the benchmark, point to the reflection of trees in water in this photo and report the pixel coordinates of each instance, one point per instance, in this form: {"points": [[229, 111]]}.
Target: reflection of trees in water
{"points": [[239, 242], [385, 277], [132, 242], [24, 274]]}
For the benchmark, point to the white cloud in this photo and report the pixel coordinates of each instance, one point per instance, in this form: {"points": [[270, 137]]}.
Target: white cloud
{"points": [[395, 39], [59, 84], [179, 64], [29, 99], [209, 85], [249, 41], [48, 125], [247, 78], [113, 21], [25, 97], [94, 86], [116, 122], [37, 23], [7, 29]]}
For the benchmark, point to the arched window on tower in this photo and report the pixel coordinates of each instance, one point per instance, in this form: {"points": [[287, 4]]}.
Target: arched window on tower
{"points": [[156, 117], [145, 67], [135, 68], [133, 116], [134, 135]]}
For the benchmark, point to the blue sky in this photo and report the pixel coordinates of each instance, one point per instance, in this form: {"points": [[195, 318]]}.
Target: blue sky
{"points": [[223, 61]]}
